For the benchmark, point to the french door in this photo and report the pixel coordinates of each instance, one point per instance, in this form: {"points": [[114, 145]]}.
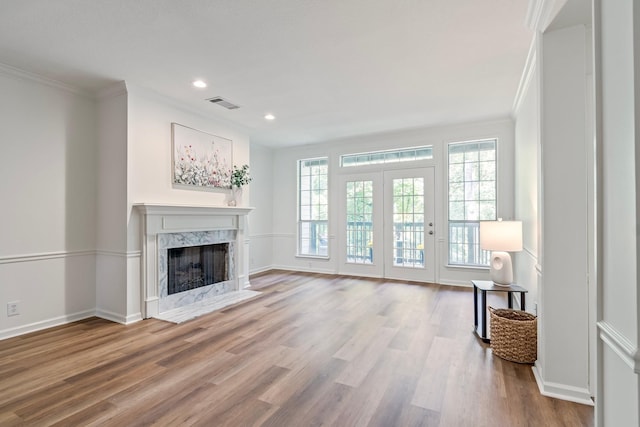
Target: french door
{"points": [[387, 224]]}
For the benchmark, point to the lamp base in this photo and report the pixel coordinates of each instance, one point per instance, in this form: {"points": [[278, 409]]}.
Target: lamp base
{"points": [[501, 268]]}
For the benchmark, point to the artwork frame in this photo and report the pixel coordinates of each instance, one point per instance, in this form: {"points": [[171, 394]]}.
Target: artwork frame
{"points": [[200, 160]]}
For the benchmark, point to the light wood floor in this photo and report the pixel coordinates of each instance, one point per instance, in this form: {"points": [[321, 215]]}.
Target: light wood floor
{"points": [[311, 350]]}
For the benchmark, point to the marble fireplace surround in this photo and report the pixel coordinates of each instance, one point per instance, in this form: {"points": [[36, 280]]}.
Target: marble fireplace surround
{"points": [[170, 226]]}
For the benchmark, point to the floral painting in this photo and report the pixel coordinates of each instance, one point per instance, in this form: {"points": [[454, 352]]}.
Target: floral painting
{"points": [[200, 159]]}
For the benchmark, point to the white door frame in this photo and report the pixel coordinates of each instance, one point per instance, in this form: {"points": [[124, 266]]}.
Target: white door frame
{"points": [[376, 267], [426, 273], [382, 246]]}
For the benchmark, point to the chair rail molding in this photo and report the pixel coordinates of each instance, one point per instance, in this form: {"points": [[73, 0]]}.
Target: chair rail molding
{"points": [[620, 345]]}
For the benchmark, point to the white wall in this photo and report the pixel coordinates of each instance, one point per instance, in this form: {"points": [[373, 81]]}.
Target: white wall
{"points": [[554, 151], [149, 151], [48, 215], [284, 178], [563, 358], [617, 29], [261, 219], [111, 258], [70, 245]]}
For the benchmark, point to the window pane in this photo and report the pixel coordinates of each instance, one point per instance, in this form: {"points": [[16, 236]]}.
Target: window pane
{"points": [[392, 157], [472, 211], [305, 212], [488, 190], [348, 161], [471, 153], [424, 153], [464, 245], [388, 156], [487, 211], [305, 198], [368, 189], [376, 158], [471, 191], [456, 157], [362, 160], [350, 189], [471, 171], [313, 238], [488, 153], [487, 171], [456, 210], [323, 212], [408, 155], [456, 192], [456, 173]]}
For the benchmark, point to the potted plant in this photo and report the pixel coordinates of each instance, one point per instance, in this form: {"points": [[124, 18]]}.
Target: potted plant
{"points": [[239, 178]]}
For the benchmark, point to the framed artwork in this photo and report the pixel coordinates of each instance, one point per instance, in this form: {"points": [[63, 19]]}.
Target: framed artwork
{"points": [[200, 160]]}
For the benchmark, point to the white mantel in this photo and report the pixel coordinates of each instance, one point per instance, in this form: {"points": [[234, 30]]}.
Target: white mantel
{"points": [[157, 219]]}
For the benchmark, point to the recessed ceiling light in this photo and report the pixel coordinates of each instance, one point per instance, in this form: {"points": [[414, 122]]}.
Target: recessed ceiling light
{"points": [[199, 84], [269, 116]]}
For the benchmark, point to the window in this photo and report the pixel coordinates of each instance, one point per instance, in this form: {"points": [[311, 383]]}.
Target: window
{"points": [[313, 215], [388, 156], [408, 222], [472, 198], [359, 206]]}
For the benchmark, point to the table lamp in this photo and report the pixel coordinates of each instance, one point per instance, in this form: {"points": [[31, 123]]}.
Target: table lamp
{"points": [[501, 237]]}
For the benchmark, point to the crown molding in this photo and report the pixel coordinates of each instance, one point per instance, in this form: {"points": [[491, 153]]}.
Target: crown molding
{"points": [[112, 90], [541, 12], [28, 76], [527, 75]]}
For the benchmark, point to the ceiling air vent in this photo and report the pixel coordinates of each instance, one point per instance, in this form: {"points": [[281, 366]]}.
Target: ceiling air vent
{"points": [[218, 100]]}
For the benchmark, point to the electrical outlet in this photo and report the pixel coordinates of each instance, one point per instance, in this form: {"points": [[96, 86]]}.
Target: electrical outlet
{"points": [[12, 308]]}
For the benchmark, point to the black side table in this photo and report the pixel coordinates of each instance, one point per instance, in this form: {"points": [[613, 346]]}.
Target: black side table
{"points": [[480, 325]]}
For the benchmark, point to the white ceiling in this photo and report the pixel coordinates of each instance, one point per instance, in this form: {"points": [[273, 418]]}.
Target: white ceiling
{"points": [[326, 68]]}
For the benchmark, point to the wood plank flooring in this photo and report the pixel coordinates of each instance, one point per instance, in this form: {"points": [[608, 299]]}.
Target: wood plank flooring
{"points": [[312, 350]]}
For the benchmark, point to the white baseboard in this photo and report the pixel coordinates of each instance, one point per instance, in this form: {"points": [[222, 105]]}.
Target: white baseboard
{"points": [[462, 284], [261, 270], [133, 318], [562, 391], [117, 317], [44, 324], [302, 269]]}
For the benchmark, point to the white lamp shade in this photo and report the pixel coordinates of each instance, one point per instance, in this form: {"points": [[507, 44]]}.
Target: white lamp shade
{"points": [[505, 236]]}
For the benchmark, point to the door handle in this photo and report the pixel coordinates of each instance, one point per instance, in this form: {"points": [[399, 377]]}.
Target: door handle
{"points": [[431, 232], [430, 224]]}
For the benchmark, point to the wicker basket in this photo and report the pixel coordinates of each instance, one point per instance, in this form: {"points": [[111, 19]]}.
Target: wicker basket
{"points": [[514, 335]]}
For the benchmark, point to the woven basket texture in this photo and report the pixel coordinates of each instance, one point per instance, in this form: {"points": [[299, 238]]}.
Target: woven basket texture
{"points": [[514, 335]]}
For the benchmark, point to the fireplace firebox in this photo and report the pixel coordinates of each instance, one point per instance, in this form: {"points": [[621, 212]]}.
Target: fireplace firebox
{"points": [[197, 266]]}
